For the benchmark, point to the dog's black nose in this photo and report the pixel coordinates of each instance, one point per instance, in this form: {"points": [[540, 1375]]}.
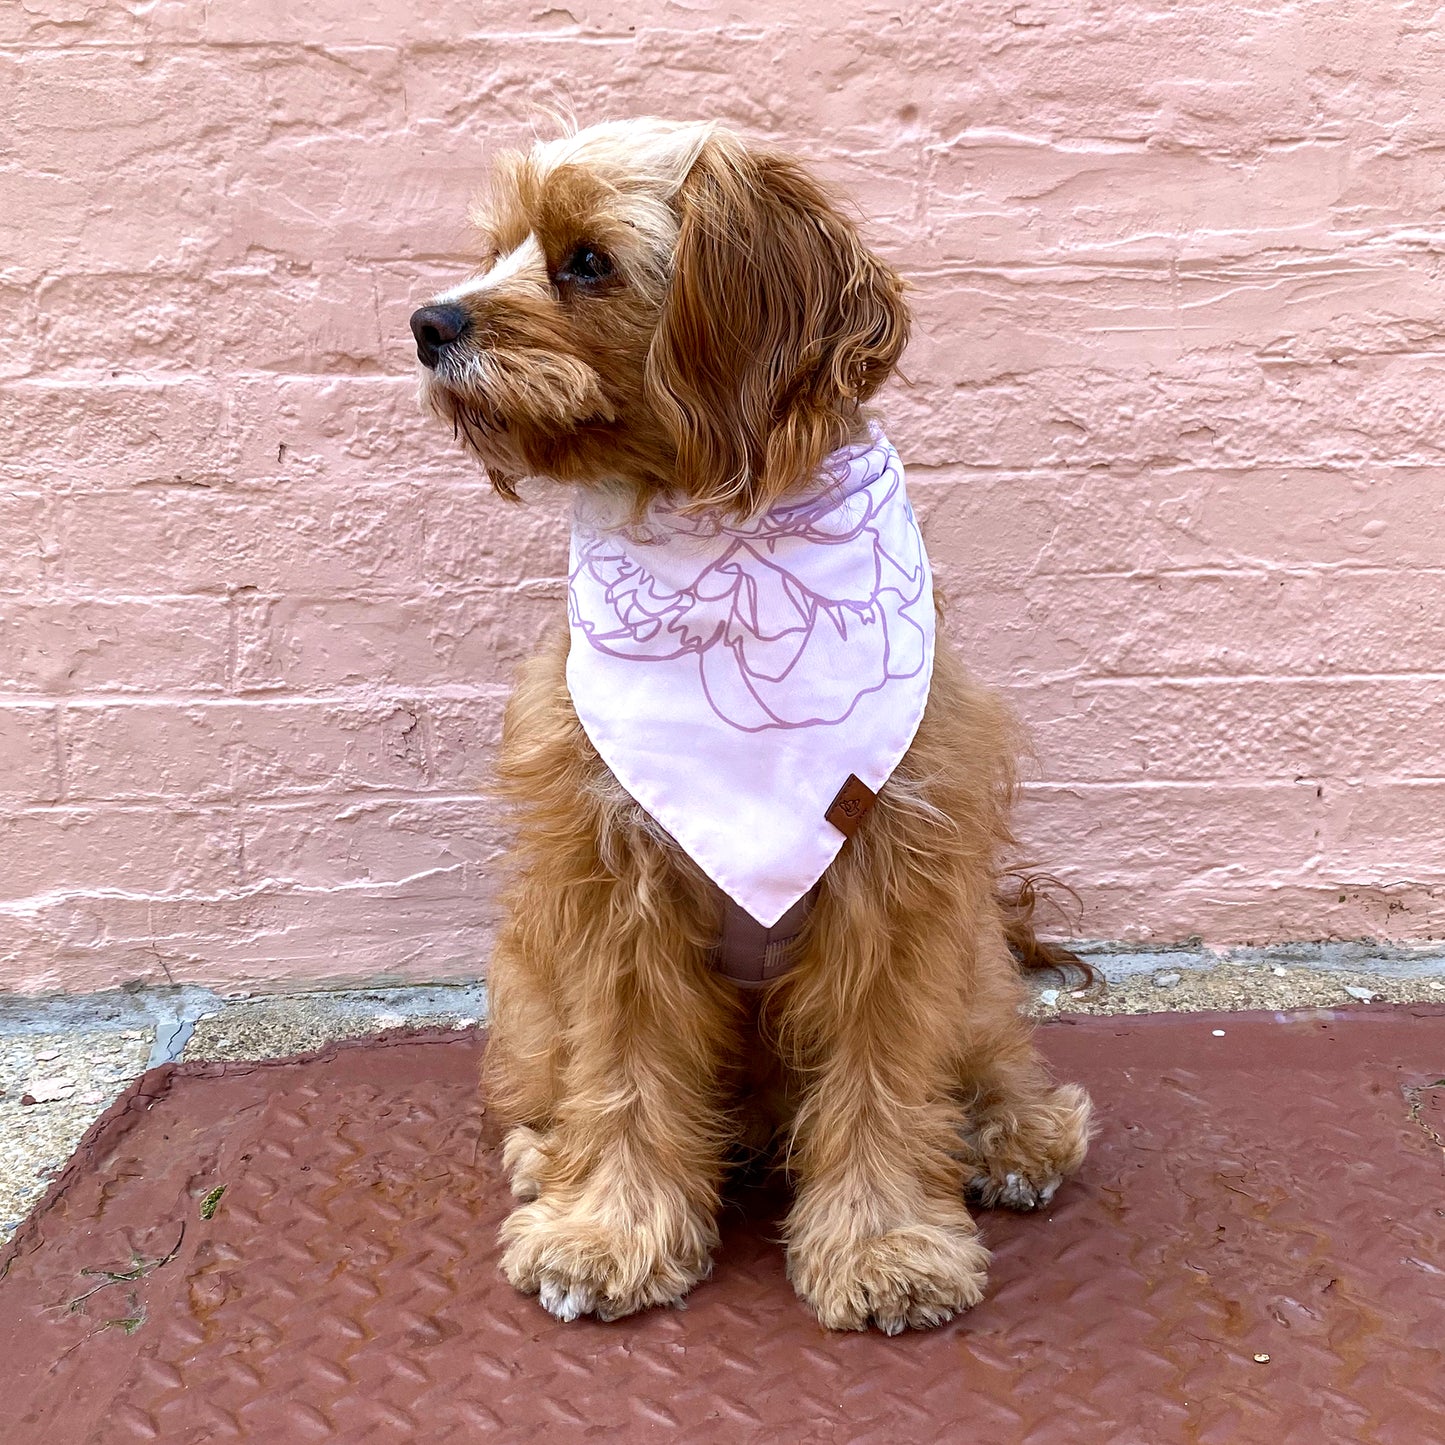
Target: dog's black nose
{"points": [[434, 327]]}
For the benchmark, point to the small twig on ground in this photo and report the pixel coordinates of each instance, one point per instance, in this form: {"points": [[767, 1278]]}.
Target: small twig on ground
{"points": [[139, 1269]]}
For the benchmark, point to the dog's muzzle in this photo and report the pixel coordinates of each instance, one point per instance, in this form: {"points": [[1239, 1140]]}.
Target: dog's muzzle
{"points": [[435, 328]]}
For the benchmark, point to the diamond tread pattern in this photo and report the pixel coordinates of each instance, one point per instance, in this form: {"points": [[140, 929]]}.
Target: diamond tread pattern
{"points": [[1279, 1191]]}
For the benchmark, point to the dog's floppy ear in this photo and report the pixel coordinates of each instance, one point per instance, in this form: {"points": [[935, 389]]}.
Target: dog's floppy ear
{"points": [[778, 323]]}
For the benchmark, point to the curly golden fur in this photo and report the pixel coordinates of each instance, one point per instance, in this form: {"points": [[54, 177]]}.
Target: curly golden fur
{"points": [[664, 308]]}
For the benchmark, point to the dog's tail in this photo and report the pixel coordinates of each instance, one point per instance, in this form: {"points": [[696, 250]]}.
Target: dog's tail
{"points": [[1018, 897]]}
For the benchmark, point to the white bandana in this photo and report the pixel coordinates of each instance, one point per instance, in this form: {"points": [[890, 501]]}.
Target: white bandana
{"points": [[732, 675]]}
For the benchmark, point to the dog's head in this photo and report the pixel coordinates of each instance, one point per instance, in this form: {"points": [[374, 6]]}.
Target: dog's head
{"points": [[661, 305]]}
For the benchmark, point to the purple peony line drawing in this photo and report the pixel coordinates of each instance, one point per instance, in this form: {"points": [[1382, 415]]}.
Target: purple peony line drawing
{"points": [[790, 619]]}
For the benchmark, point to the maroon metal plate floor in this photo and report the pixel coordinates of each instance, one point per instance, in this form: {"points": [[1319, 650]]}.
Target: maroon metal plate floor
{"points": [[1278, 1191]]}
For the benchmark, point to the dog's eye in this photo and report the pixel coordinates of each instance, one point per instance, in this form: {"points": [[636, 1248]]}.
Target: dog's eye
{"points": [[587, 263]]}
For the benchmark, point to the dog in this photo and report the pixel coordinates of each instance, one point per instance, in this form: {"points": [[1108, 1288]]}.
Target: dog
{"points": [[683, 326]]}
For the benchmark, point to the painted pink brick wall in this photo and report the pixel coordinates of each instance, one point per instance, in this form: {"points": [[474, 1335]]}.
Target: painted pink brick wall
{"points": [[1176, 424]]}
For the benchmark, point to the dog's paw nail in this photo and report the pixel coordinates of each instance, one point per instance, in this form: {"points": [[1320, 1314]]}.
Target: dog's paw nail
{"points": [[893, 1326]]}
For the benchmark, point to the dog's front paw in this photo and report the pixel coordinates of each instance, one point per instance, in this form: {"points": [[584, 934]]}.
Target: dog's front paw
{"points": [[1019, 1159], [915, 1276], [578, 1264]]}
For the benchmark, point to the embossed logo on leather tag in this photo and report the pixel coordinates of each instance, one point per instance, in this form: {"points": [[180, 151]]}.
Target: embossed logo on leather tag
{"points": [[846, 811]]}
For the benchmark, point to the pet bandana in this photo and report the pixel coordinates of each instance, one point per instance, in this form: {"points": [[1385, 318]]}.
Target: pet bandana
{"points": [[741, 679]]}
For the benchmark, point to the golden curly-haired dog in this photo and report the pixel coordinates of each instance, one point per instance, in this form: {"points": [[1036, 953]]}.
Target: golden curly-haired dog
{"points": [[664, 308]]}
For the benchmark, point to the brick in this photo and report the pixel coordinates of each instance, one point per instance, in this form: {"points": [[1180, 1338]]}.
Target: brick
{"points": [[339, 428], [299, 536], [102, 850], [207, 752], [40, 216], [1022, 319], [1385, 831], [1280, 730], [1161, 836], [110, 107], [1254, 912], [28, 527], [59, 24], [89, 433], [17, 342], [72, 226], [352, 88], [472, 537], [1203, 412], [1185, 78], [336, 21], [267, 938], [329, 195], [63, 434], [421, 642], [1192, 624], [131, 645], [29, 761], [1007, 198], [258, 315], [333, 845], [990, 529], [464, 737]]}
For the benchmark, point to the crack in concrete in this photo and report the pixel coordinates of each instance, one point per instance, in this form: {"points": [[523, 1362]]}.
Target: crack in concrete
{"points": [[171, 1038]]}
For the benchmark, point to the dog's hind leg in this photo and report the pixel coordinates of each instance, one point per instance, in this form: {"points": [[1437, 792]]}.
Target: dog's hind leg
{"points": [[1022, 1133]]}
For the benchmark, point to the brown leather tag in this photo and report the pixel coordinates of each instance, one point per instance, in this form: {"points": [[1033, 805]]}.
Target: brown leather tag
{"points": [[846, 811]]}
